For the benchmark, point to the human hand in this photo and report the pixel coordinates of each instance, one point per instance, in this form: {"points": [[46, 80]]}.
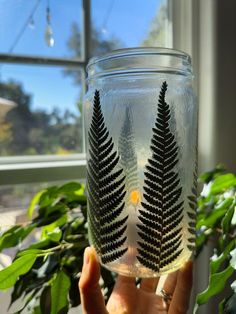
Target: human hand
{"points": [[126, 298]]}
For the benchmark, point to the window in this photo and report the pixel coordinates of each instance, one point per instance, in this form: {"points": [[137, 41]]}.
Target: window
{"points": [[39, 118], [42, 78], [114, 27], [39, 27]]}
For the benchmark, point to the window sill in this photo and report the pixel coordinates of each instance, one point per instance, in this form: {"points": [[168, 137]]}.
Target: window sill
{"points": [[29, 169]]}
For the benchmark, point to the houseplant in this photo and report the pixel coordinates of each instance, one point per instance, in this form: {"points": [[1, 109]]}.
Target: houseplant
{"points": [[45, 274], [216, 222]]}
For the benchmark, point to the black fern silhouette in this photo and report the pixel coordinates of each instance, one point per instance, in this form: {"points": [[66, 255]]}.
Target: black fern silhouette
{"points": [[160, 228], [106, 190], [128, 157], [192, 201]]}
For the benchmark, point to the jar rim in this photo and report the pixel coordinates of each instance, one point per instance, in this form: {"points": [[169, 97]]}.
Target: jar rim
{"points": [[140, 60], [140, 51]]}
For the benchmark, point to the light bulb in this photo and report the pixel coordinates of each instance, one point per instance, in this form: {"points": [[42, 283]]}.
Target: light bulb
{"points": [[49, 36]]}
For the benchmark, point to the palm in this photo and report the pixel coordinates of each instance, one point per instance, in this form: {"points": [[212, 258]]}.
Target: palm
{"points": [[127, 298]]}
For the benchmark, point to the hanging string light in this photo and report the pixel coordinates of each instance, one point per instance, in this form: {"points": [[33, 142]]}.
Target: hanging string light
{"points": [[104, 29], [49, 32]]}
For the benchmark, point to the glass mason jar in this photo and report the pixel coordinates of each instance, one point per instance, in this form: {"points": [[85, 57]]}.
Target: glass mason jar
{"points": [[140, 116]]}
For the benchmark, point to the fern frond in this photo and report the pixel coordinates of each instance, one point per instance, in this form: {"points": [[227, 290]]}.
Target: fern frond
{"points": [[127, 152], [107, 258], [192, 202], [162, 213], [105, 189]]}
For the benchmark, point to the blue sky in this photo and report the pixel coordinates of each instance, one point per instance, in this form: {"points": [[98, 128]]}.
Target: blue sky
{"points": [[129, 21]]}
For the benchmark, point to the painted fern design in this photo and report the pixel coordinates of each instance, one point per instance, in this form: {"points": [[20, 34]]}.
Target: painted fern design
{"points": [[106, 190], [192, 201], [160, 229], [128, 157]]}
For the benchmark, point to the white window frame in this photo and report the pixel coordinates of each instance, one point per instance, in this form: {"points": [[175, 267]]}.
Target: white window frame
{"points": [[45, 168], [194, 31]]}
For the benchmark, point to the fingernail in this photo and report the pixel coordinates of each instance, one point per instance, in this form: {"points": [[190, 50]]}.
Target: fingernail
{"points": [[188, 264], [86, 257]]}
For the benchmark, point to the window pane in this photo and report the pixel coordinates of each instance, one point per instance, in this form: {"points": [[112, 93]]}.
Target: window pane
{"points": [[27, 27], [120, 24], [40, 110]]}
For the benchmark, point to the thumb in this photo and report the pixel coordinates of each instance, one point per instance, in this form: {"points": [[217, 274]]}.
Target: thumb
{"points": [[91, 296]]}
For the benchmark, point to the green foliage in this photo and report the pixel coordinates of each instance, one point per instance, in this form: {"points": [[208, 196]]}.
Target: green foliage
{"points": [[156, 36], [19, 267], [45, 274], [216, 222], [59, 293]]}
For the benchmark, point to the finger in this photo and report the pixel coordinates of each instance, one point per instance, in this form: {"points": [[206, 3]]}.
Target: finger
{"points": [[91, 296], [181, 296], [149, 284], [170, 283]]}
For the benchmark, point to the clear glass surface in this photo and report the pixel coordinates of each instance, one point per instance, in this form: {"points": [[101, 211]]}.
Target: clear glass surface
{"points": [[141, 138]]}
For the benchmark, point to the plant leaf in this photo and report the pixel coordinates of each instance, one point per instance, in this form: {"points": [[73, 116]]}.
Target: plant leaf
{"points": [[59, 292], [20, 266], [212, 219], [80, 191], [221, 306], [45, 219], [217, 283], [70, 187], [49, 228], [29, 251], [226, 221], [208, 176], [216, 263], [55, 235], [49, 196], [14, 236], [33, 203], [222, 183], [40, 244]]}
